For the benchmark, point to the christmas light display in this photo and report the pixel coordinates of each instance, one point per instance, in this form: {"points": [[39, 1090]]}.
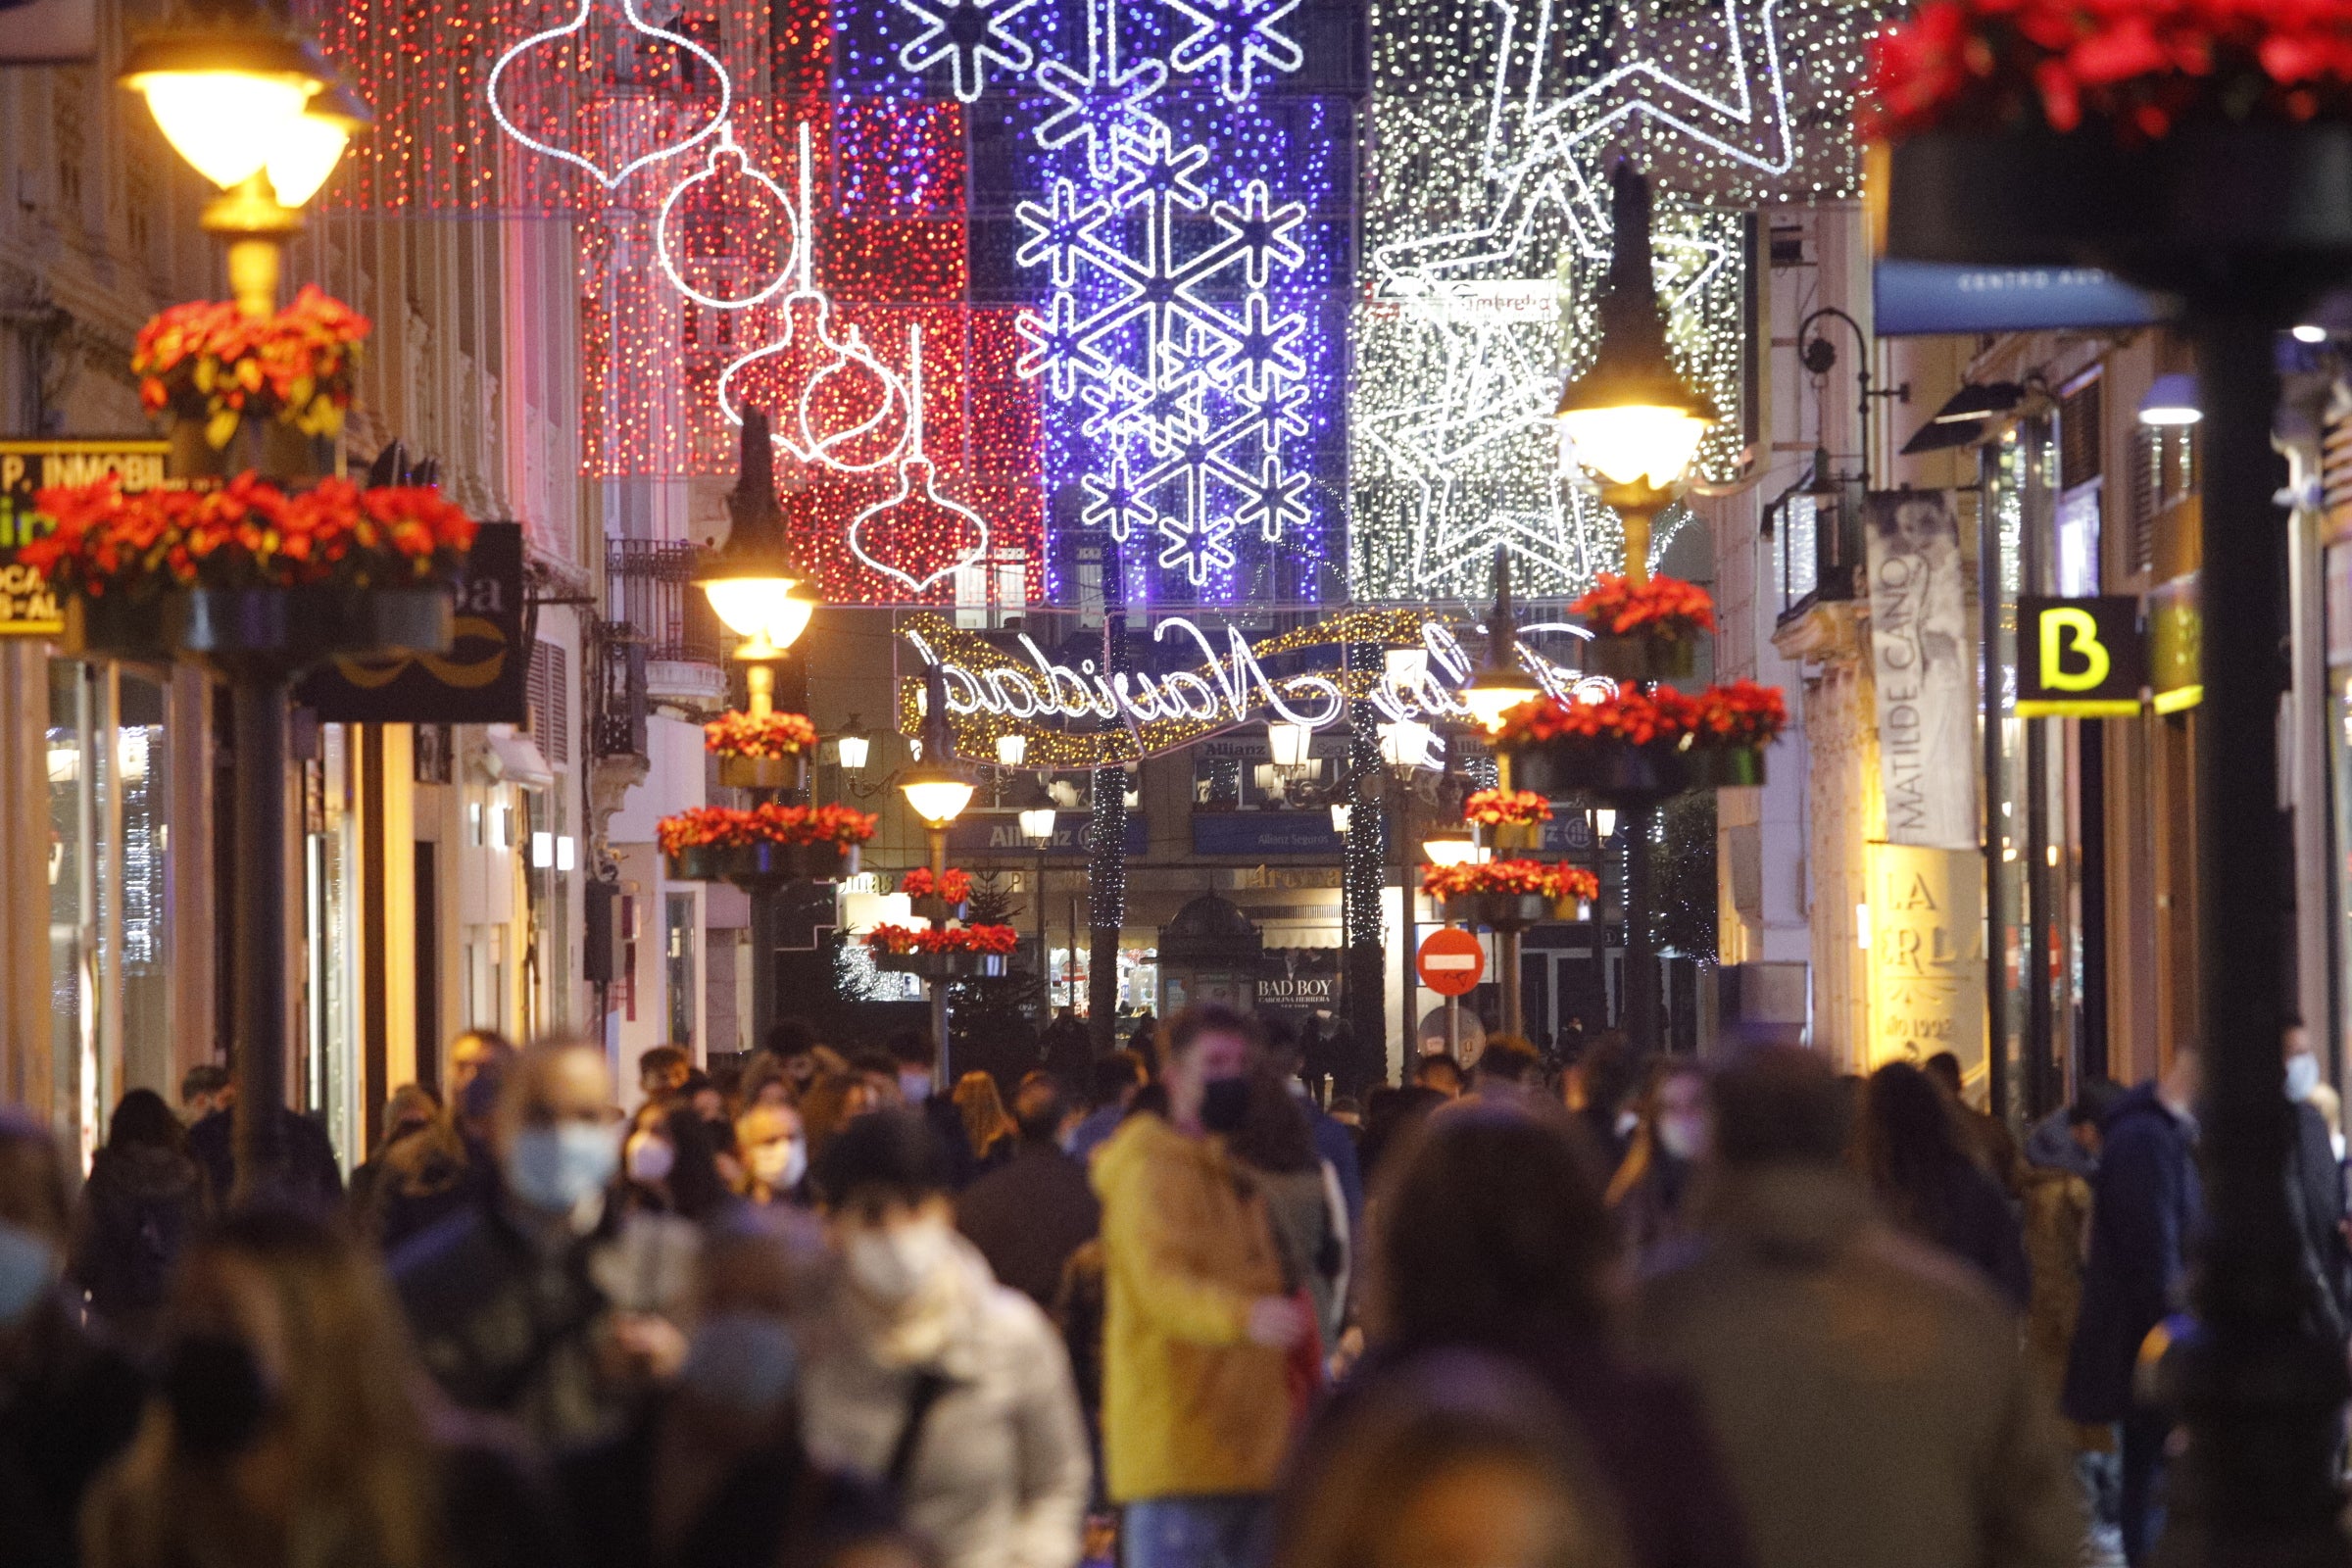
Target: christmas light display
{"points": [[728, 160], [968, 34], [927, 533], [659, 140], [1486, 228]]}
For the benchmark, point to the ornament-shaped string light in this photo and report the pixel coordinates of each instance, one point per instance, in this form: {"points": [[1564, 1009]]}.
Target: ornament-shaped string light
{"points": [[809, 321], [917, 513]]}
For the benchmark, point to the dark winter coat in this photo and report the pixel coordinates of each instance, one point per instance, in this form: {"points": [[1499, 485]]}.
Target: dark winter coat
{"points": [[1028, 1217], [299, 1168], [137, 1211], [1970, 1217], [2146, 1204], [68, 1405], [2316, 1201]]}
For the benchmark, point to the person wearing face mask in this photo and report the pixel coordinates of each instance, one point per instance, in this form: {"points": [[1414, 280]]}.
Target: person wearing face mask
{"points": [[546, 1301], [773, 1153], [1650, 1188], [69, 1401], [2315, 1191], [672, 1163], [290, 1428], [712, 1472], [927, 1375], [1197, 1323], [912, 1050]]}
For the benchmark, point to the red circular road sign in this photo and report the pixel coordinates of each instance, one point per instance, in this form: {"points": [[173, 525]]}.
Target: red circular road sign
{"points": [[1451, 961]]}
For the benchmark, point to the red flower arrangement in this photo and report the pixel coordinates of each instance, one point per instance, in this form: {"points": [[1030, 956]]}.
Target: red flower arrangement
{"points": [[2139, 67], [1512, 879], [1663, 606], [954, 886], [997, 940], [765, 736], [246, 535], [1632, 715], [726, 827], [1506, 807], [1741, 714], [210, 361]]}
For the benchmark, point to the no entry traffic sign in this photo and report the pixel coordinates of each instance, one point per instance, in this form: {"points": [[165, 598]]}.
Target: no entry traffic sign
{"points": [[1451, 962]]}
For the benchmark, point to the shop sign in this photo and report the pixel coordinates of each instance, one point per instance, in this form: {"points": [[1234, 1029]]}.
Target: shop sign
{"points": [[2176, 645], [1266, 833], [1299, 977], [1914, 298], [1924, 924], [2078, 657], [27, 609], [997, 835], [480, 680], [1923, 654]]}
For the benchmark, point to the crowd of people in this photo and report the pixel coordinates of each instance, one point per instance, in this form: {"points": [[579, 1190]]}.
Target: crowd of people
{"points": [[822, 1311]]}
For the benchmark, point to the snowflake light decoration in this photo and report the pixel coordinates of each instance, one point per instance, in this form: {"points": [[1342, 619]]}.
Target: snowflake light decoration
{"points": [[970, 36]]}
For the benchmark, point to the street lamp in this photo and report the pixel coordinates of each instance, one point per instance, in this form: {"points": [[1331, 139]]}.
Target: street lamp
{"points": [[852, 745], [1341, 812], [256, 110], [1450, 844], [1287, 744], [1637, 424], [752, 581], [938, 791], [1037, 829], [1405, 745], [1500, 685], [1011, 749], [1631, 420]]}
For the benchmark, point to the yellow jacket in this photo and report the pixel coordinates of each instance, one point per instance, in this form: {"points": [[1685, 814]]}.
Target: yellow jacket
{"points": [[1190, 1407]]}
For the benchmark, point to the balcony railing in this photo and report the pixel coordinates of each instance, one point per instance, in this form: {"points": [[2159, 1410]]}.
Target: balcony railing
{"points": [[649, 587]]}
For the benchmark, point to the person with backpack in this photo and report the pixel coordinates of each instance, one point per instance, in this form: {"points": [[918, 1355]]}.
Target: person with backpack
{"points": [[143, 1199], [926, 1374]]}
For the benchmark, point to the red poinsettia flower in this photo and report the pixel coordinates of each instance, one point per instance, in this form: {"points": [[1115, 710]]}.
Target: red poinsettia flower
{"points": [[246, 535], [726, 827], [953, 887], [1741, 714], [1510, 879], [1506, 807], [209, 360], [1663, 606], [2138, 68], [768, 736], [999, 940]]}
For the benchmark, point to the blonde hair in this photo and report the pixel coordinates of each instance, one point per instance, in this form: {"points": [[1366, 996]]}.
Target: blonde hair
{"points": [[985, 1121], [365, 1488]]}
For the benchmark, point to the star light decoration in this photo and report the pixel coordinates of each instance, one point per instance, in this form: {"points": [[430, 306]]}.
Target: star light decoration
{"points": [[1487, 227]]}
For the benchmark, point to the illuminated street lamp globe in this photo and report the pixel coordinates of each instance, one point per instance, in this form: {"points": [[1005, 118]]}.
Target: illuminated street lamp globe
{"points": [[1500, 684], [1450, 845], [1012, 750], [1287, 744], [1404, 744], [1630, 418], [938, 794], [1037, 824], [751, 581], [226, 96]]}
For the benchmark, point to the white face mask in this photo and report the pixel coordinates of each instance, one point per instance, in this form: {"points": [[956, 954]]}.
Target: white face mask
{"points": [[650, 1160], [780, 1162], [2302, 1075], [892, 1265], [1683, 1136]]}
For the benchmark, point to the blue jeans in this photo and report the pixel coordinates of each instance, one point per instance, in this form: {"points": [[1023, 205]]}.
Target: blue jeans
{"points": [[1216, 1531]]}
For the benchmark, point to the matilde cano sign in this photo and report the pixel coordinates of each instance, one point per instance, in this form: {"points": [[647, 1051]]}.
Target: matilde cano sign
{"points": [[994, 690]]}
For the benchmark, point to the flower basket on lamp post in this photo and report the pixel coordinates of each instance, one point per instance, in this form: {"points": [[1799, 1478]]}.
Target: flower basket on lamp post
{"points": [[763, 849], [1508, 896], [762, 772], [762, 749], [1619, 772], [939, 967]]}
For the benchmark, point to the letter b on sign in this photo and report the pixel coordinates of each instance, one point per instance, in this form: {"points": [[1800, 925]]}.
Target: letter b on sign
{"points": [[2073, 658], [2079, 658]]}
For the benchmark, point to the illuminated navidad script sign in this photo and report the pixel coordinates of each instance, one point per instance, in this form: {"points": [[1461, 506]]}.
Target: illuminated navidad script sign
{"points": [[1126, 715]]}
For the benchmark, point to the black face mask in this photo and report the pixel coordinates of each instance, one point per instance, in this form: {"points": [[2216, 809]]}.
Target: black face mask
{"points": [[1225, 1104], [217, 1399]]}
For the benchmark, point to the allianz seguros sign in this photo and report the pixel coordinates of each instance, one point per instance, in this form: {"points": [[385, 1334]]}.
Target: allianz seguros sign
{"points": [[28, 605], [2079, 658]]}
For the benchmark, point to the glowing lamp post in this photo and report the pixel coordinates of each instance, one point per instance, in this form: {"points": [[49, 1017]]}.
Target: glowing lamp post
{"points": [[938, 791], [1630, 418], [1500, 685], [1037, 831], [752, 580], [256, 110], [1637, 424]]}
